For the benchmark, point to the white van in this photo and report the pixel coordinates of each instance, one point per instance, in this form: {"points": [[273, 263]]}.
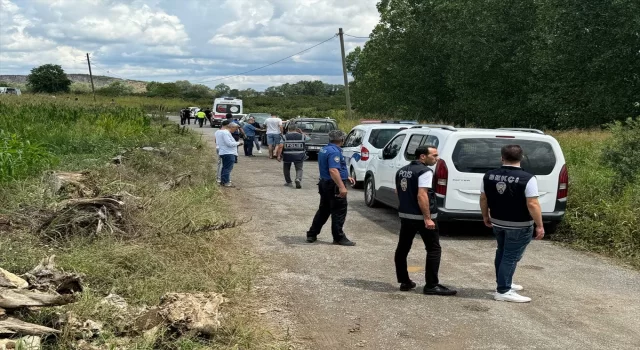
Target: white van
{"points": [[365, 141], [10, 91], [224, 105], [465, 156]]}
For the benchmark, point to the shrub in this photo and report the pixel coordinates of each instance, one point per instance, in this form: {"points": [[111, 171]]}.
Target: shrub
{"points": [[622, 153], [21, 158]]}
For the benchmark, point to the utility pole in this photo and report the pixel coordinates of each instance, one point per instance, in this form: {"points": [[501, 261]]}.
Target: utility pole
{"points": [[91, 76], [344, 72]]}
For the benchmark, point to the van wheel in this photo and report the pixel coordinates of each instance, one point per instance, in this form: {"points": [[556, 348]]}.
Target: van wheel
{"points": [[551, 228], [357, 184], [370, 192]]}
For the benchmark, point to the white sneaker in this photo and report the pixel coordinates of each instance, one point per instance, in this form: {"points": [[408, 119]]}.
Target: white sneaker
{"points": [[260, 151], [516, 287], [511, 296]]}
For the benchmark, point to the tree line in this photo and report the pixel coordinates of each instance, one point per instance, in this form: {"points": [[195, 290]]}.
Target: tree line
{"points": [[50, 78], [521, 63]]}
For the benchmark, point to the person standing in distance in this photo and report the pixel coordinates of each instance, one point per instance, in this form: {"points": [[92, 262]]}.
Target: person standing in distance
{"points": [[201, 115], [250, 129], [509, 203], [418, 212], [333, 191], [274, 134], [293, 152], [228, 150], [223, 127]]}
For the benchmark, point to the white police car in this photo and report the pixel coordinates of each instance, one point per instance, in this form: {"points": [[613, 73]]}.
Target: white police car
{"points": [[365, 141], [465, 156]]}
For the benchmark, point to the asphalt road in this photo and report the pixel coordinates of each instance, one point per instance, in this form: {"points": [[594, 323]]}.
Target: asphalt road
{"points": [[334, 297]]}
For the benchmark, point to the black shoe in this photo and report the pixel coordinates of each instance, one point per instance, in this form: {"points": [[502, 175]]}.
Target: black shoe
{"points": [[439, 290], [311, 239], [298, 184], [345, 241], [405, 287]]}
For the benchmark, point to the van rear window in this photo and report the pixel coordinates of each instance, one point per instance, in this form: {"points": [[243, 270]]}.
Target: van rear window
{"points": [[380, 137], [228, 108], [481, 155]]}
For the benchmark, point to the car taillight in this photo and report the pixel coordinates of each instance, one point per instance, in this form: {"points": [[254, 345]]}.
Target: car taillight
{"points": [[440, 180], [563, 183], [364, 153]]}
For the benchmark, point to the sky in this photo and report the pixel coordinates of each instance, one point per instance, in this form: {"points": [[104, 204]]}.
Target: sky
{"points": [[196, 40]]}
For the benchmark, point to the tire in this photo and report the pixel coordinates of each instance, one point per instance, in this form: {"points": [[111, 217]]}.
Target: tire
{"points": [[352, 173], [551, 228], [370, 192]]}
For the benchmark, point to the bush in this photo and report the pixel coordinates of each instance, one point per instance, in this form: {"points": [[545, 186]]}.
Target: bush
{"points": [[20, 158], [622, 154]]}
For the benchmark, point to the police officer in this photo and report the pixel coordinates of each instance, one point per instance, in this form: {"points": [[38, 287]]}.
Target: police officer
{"points": [[509, 203], [293, 152], [417, 211], [333, 191]]}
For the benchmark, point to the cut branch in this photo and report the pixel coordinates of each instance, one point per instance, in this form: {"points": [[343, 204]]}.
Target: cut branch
{"points": [[12, 326]]}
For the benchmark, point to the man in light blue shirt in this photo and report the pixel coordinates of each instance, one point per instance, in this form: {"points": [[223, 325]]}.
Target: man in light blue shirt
{"points": [[250, 133], [227, 151]]}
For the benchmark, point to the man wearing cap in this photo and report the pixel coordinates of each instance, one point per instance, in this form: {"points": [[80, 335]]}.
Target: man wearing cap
{"points": [[333, 191], [418, 212]]}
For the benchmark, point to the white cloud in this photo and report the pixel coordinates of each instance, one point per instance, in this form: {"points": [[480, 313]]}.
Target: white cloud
{"points": [[188, 39]]}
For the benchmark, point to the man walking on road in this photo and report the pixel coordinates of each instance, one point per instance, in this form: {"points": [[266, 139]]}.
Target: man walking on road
{"points": [[333, 191], [274, 134], [293, 152], [509, 203], [418, 212], [249, 129], [201, 117], [228, 151]]}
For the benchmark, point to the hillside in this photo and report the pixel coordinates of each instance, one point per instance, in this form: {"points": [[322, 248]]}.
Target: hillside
{"points": [[98, 80]]}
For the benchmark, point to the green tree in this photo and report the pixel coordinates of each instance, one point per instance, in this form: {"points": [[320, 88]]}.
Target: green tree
{"points": [[48, 78], [221, 90]]}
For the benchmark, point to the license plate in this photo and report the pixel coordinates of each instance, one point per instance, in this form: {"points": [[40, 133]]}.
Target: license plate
{"points": [[313, 148]]}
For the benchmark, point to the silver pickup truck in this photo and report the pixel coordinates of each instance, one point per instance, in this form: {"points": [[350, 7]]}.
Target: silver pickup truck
{"points": [[317, 129]]}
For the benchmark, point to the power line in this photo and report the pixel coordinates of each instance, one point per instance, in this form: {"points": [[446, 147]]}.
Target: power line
{"points": [[270, 64], [357, 37]]}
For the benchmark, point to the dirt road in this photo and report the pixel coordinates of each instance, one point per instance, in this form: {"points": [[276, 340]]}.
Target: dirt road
{"points": [[333, 297]]}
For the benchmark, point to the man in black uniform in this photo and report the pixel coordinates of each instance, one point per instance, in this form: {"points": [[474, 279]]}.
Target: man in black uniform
{"points": [[417, 211], [509, 203], [333, 191], [208, 114], [294, 153]]}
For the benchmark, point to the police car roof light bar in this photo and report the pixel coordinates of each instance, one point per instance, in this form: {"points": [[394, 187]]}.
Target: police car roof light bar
{"points": [[438, 126], [535, 131]]}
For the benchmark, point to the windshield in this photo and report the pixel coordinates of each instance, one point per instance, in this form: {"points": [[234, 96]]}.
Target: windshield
{"points": [[315, 126], [260, 118], [481, 155], [380, 137], [228, 108]]}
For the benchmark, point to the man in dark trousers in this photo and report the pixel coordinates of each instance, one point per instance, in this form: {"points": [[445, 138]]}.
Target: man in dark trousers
{"points": [[418, 212], [208, 114], [333, 191], [294, 153], [509, 203]]}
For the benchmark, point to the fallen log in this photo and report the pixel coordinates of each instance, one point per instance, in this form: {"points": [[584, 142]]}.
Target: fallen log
{"points": [[9, 280], [12, 326], [47, 278], [19, 298]]}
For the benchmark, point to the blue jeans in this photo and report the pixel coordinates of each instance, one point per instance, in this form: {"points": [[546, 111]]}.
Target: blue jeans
{"points": [[274, 139], [228, 160], [511, 246]]}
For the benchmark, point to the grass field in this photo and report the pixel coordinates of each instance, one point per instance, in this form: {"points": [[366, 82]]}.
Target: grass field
{"points": [[169, 240]]}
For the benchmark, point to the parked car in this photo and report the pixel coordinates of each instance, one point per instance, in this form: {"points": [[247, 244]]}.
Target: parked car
{"points": [[317, 129], [465, 156], [10, 91], [365, 141], [260, 118]]}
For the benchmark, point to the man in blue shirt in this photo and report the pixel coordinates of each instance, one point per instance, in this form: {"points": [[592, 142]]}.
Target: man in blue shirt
{"points": [[250, 133], [333, 191]]}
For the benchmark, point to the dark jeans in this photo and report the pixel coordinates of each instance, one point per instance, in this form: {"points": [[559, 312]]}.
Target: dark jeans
{"points": [[330, 206], [248, 146], [511, 246], [228, 161], [286, 166], [431, 239], [200, 121]]}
